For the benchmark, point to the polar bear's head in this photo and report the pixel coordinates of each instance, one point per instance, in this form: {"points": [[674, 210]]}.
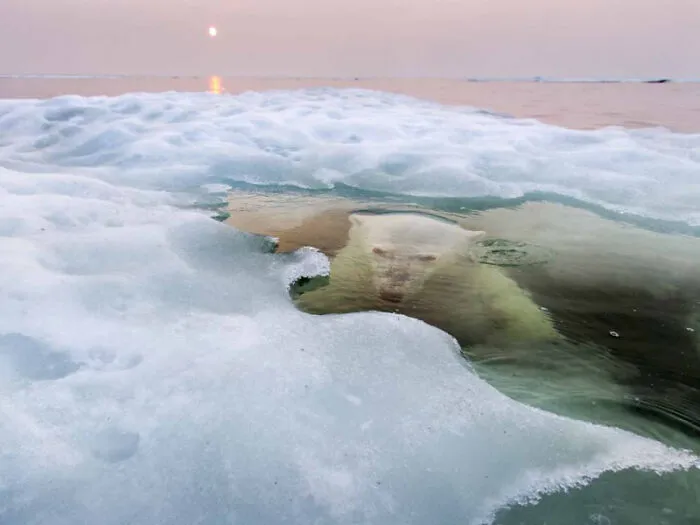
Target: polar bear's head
{"points": [[405, 249]]}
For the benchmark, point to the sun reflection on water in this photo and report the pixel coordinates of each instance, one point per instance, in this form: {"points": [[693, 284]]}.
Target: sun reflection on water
{"points": [[215, 85]]}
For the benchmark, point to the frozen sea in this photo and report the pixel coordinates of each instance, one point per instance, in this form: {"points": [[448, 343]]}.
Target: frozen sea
{"points": [[155, 370]]}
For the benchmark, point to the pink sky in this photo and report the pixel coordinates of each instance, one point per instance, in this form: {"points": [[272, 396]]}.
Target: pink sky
{"points": [[446, 38]]}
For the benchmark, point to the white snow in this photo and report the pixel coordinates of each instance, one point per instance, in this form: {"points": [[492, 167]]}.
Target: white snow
{"points": [[373, 141]]}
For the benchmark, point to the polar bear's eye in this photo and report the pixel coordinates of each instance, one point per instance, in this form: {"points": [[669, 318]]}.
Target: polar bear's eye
{"points": [[426, 258], [377, 250]]}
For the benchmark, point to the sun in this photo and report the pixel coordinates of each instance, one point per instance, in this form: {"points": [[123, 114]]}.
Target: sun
{"points": [[213, 31]]}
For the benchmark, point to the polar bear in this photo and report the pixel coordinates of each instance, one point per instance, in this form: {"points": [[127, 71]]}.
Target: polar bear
{"points": [[425, 267]]}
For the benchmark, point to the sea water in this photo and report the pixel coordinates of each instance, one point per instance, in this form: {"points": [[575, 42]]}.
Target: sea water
{"points": [[153, 368]]}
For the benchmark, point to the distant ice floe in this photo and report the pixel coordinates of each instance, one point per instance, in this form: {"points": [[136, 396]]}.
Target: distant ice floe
{"points": [[591, 80]]}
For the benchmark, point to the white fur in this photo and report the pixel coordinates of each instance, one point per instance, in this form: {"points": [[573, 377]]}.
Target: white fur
{"points": [[406, 249]]}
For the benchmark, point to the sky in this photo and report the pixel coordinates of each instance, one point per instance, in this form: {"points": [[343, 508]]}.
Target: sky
{"points": [[334, 38]]}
